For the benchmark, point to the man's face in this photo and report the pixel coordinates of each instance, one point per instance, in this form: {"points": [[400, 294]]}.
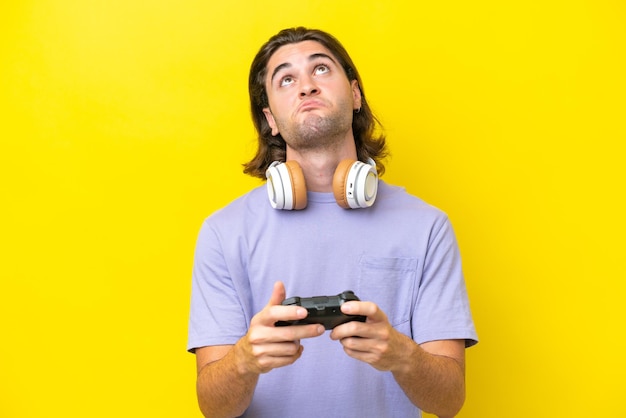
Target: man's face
{"points": [[311, 100]]}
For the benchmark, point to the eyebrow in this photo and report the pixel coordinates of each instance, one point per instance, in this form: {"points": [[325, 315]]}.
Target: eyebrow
{"points": [[312, 57]]}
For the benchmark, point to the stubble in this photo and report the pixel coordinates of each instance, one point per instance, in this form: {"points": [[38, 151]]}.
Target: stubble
{"points": [[317, 132]]}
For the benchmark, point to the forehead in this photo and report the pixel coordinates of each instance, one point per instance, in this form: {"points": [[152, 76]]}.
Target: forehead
{"points": [[290, 54]]}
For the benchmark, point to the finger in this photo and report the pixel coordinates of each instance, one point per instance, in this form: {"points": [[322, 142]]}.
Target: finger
{"points": [[368, 309], [300, 332], [278, 294], [269, 362], [351, 329], [267, 316], [278, 349], [263, 330], [287, 326]]}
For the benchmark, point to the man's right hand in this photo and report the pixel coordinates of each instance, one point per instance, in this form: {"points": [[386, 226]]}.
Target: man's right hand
{"points": [[228, 374], [265, 346]]}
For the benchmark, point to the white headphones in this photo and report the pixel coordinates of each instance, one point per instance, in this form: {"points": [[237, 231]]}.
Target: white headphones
{"points": [[355, 185]]}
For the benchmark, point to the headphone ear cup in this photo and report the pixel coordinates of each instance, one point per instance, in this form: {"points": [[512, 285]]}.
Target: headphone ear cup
{"points": [[298, 185], [339, 183], [355, 184], [286, 187]]}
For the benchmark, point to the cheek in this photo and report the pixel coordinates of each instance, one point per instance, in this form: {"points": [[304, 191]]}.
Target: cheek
{"points": [[281, 107]]}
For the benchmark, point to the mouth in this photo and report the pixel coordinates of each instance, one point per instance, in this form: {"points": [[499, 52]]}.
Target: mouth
{"points": [[309, 105]]}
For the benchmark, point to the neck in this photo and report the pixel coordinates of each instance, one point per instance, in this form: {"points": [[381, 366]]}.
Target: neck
{"points": [[318, 166]]}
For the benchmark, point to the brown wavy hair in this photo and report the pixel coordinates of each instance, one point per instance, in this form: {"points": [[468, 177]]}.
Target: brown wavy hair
{"points": [[368, 134]]}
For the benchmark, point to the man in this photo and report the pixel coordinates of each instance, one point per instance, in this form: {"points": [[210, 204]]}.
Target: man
{"points": [[398, 254]]}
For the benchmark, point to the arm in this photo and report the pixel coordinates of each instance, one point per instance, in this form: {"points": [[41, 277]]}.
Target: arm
{"points": [[432, 375], [228, 374]]}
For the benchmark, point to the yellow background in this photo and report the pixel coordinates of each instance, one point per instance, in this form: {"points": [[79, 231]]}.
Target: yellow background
{"points": [[123, 124]]}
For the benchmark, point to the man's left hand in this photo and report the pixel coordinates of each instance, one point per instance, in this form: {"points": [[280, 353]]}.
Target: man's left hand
{"points": [[374, 341]]}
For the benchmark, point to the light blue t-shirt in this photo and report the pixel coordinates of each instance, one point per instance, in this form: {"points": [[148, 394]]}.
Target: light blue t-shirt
{"points": [[401, 254]]}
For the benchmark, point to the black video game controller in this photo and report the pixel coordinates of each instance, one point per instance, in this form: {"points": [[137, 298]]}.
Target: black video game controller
{"points": [[325, 310]]}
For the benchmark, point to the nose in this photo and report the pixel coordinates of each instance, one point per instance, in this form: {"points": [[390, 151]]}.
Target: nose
{"points": [[308, 87]]}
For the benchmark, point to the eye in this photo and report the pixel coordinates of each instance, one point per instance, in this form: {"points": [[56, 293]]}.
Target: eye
{"points": [[321, 69], [286, 81]]}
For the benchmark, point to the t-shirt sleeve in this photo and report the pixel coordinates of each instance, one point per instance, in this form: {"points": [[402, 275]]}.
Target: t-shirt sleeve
{"points": [[442, 310], [216, 313]]}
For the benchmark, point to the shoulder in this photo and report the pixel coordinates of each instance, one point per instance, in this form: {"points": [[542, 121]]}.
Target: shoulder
{"points": [[248, 203], [233, 216], [396, 199]]}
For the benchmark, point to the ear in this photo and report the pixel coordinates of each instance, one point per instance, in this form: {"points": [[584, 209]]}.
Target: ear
{"points": [[356, 94], [270, 121]]}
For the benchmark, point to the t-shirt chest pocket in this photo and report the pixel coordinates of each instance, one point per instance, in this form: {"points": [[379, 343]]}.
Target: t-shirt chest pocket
{"points": [[389, 282]]}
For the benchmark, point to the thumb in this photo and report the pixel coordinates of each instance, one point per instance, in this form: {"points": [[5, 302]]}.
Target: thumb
{"points": [[278, 294]]}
